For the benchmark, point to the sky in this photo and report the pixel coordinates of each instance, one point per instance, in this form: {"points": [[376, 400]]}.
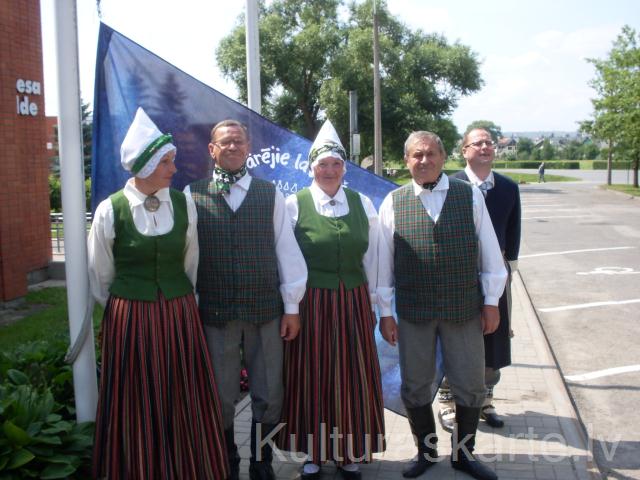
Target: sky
{"points": [[533, 54]]}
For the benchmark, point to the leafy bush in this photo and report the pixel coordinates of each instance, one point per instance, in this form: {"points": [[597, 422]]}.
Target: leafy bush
{"points": [[39, 438], [619, 165]]}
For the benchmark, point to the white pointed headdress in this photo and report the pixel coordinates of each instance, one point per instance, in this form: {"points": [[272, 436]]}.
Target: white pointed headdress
{"points": [[326, 144], [144, 145]]}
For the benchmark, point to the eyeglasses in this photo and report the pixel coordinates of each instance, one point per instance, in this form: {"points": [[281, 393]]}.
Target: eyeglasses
{"points": [[480, 143], [227, 143]]}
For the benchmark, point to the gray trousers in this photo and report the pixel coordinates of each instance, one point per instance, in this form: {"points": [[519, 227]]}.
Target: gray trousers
{"points": [[463, 355], [263, 359], [491, 379]]}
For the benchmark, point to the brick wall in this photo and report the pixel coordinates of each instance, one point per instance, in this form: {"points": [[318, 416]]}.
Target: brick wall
{"points": [[25, 244]]}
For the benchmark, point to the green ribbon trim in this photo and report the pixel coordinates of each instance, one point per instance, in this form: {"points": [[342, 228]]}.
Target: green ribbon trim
{"points": [[327, 147], [148, 152]]}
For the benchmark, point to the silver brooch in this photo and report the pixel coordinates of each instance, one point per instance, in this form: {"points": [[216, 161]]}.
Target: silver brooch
{"points": [[151, 203]]}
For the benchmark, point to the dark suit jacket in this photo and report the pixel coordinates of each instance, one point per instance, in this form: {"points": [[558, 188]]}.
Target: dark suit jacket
{"points": [[503, 204]]}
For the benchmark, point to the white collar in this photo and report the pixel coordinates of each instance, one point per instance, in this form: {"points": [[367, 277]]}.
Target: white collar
{"points": [[136, 197], [443, 184], [473, 178], [322, 198]]}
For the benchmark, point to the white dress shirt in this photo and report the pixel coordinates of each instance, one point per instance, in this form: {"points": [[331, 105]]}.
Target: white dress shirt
{"points": [[340, 208], [291, 265], [491, 269], [150, 224], [474, 179]]}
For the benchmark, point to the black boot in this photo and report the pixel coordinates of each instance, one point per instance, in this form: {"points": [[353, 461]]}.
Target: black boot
{"points": [[232, 454], [463, 441], [260, 464], [423, 427]]}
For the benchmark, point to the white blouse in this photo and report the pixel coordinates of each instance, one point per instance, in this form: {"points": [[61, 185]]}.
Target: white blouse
{"points": [[151, 224], [340, 208]]}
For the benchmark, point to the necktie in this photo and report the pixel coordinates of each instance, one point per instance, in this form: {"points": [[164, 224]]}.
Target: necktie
{"points": [[484, 188], [224, 179]]}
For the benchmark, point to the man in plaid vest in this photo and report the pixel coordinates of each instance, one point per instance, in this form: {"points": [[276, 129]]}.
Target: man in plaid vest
{"points": [[439, 253], [251, 278]]}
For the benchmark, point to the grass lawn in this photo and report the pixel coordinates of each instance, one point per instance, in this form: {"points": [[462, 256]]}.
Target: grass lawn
{"points": [[46, 317], [629, 189], [533, 177]]}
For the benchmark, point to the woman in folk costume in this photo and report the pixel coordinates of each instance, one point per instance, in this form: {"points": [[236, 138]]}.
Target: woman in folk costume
{"points": [[158, 413], [333, 405]]}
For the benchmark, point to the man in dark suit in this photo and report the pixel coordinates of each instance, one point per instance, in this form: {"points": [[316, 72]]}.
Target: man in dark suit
{"points": [[502, 198]]}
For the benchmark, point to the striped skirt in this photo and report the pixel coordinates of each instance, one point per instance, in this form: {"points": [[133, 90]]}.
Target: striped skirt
{"points": [[158, 411], [333, 407]]}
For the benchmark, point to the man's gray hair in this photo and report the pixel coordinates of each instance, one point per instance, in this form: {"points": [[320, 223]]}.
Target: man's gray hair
{"points": [[230, 123], [423, 135]]}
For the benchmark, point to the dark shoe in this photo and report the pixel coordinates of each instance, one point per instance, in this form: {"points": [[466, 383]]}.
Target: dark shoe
{"points": [[261, 471], [260, 463], [309, 476], [420, 464], [349, 475], [232, 454], [489, 415], [447, 417], [463, 441], [467, 463], [423, 427]]}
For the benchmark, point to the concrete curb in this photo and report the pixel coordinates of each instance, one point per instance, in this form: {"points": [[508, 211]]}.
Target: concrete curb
{"points": [[570, 422]]}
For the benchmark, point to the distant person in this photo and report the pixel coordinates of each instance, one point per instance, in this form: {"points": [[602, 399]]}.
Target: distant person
{"points": [[332, 375], [251, 278], [158, 411], [541, 173], [502, 198], [439, 253]]}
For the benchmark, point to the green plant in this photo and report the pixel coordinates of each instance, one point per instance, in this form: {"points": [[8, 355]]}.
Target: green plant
{"points": [[35, 440]]}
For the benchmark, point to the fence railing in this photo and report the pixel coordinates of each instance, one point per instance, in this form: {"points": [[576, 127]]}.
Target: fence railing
{"points": [[57, 231]]}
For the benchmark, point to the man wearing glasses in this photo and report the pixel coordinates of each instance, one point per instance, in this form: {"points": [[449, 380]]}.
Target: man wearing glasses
{"points": [[251, 278], [439, 254], [502, 198]]}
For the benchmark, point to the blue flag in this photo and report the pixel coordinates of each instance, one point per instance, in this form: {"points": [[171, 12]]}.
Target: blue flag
{"points": [[129, 76]]}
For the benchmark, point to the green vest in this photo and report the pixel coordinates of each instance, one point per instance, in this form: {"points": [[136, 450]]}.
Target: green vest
{"points": [[146, 264], [435, 264], [238, 270], [333, 247]]}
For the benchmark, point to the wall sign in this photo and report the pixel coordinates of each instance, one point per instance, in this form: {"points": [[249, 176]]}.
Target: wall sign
{"points": [[24, 105]]}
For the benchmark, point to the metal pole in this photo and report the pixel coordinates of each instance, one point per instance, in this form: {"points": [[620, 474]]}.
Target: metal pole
{"points": [[73, 205], [254, 99], [353, 123], [377, 116]]}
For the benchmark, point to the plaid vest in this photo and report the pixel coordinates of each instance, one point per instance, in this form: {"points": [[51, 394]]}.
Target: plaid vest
{"points": [[333, 247], [435, 264], [146, 264], [238, 269]]}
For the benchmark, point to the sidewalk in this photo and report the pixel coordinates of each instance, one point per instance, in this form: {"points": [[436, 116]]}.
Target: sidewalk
{"points": [[542, 438]]}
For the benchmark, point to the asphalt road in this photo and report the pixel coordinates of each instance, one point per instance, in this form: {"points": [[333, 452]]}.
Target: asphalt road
{"points": [[594, 176], [580, 262]]}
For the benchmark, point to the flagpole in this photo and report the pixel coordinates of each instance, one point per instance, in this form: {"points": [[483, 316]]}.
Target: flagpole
{"points": [[254, 99], [377, 115], [73, 205]]}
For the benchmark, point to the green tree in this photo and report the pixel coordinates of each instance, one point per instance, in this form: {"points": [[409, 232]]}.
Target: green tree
{"points": [[311, 57], [616, 116], [494, 130], [547, 151], [87, 126], [524, 148]]}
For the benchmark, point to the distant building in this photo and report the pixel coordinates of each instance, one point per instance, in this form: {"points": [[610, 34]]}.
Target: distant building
{"points": [[506, 146], [25, 239]]}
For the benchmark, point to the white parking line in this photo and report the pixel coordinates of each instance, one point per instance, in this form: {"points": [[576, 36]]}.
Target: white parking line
{"points": [[588, 305], [602, 373], [558, 216], [572, 251]]}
